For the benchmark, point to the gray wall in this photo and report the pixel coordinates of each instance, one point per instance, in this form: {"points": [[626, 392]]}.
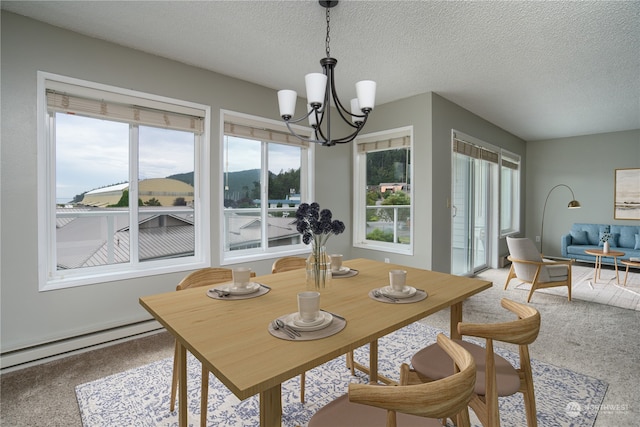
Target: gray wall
{"points": [[586, 164], [447, 116]]}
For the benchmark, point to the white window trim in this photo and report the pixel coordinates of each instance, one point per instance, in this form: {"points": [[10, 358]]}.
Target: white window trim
{"points": [[359, 182], [515, 206], [47, 208], [307, 183]]}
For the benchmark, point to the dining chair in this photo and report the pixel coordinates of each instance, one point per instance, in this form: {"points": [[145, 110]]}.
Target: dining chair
{"points": [[281, 265], [288, 263], [415, 404], [495, 375], [199, 278], [528, 266]]}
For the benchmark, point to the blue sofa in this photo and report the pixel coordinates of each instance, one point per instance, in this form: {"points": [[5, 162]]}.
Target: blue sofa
{"points": [[625, 238]]}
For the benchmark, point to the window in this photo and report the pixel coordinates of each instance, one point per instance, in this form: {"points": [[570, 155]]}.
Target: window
{"points": [[266, 174], [509, 194], [122, 183], [383, 208]]}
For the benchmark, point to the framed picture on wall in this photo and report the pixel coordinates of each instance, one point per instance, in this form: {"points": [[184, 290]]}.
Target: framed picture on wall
{"points": [[627, 194]]}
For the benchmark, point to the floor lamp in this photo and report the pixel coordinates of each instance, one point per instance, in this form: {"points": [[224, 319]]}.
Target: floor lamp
{"points": [[573, 204]]}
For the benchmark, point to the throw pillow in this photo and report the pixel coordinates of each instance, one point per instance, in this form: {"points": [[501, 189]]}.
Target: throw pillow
{"points": [[637, 246], [613, 239], [580, 237]]}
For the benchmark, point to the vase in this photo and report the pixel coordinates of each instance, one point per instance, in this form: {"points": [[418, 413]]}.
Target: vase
{"points": [[605, 247], [318, 269]]}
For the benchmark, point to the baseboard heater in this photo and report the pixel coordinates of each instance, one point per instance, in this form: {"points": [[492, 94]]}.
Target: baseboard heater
{"points": [[30, 356], [503, 261]]}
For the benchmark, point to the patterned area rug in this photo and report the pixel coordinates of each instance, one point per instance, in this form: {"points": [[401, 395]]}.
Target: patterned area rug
{"points": [[606, 290], [140, 396]]}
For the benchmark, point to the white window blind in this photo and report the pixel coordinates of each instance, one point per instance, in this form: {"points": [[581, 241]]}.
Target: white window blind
{"points": [[129, 113]]}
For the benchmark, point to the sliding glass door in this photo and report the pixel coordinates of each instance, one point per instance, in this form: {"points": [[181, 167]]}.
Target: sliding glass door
{"points": [[473, 175]]}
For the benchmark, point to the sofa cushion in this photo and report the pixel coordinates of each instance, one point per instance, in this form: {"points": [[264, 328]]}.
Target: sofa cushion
{"points": [[637, 245], [627, 233], [579, 237]]}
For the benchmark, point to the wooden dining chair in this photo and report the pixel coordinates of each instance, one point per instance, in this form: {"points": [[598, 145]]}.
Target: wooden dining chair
{"points": [[281, 265], [406, 405], [288, 263], [495, 375], [199, 278]]}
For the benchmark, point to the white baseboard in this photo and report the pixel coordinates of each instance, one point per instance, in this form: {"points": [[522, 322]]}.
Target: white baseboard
{"points": [[19, 359]]}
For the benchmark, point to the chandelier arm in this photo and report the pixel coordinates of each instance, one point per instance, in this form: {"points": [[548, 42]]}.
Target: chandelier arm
{"points": [[303, 138]]}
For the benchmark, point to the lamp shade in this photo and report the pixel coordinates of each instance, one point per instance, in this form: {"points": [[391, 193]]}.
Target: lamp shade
{"points": [[316, 84], [366, 91], [287, 102], [312, 116], [574, 204], [355, 109]]}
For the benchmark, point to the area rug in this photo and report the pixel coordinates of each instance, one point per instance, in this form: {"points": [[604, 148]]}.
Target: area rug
{"points": [[140, 396], [606, 290]]}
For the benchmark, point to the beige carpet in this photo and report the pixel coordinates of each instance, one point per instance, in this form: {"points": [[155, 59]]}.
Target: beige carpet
{"points": [[605, 290]]}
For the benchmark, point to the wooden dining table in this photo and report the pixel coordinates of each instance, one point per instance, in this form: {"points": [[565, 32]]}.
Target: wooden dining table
{"points": [[231, 337]]}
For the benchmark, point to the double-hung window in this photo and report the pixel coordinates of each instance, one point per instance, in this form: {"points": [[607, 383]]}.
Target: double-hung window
{"points": [[383, 207], [265, 174], [123, 183], [509, 193]]}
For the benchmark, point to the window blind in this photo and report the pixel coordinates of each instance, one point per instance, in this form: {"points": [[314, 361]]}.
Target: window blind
{"points": [[128, 113], [475, 151], [262, 134]]}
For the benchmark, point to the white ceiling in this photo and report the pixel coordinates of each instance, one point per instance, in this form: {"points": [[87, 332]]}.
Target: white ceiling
{"points": [[539, 70]]}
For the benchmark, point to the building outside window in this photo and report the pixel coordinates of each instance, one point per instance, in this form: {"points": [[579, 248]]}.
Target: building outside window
{"points": [[121, 183], [266, 174], [383, 191]]}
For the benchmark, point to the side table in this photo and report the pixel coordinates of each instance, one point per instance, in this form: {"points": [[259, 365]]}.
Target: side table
{"points": [[629, 263], [598, 253]]}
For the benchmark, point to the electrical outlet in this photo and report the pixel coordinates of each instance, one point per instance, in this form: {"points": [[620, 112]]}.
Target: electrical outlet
{"points": [[387, 260], [538, 239]]}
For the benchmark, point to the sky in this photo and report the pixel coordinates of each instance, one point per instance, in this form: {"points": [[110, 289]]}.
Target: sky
{"points": [[92, 153]]}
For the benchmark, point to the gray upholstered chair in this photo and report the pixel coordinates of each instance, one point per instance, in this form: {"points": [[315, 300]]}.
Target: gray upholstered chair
{"points": [[528, 266], [414, 404]]}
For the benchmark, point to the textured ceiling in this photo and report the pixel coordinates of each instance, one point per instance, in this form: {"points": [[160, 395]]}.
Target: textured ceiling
{"points": [[539, 70]]}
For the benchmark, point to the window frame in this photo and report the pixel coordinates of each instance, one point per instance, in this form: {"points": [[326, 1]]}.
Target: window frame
{"points": [[306, 190], [49, 278], [360, 196]]}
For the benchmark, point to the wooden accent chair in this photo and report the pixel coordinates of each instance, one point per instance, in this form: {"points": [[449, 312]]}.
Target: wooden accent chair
{"points": [[528, 266], [199, 278], [495, 375], [406, 405], [288, 263]]}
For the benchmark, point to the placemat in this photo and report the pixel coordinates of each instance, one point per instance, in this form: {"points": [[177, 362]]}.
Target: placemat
{"points": [[342, 276], [337, 324], [419, 296], [261, 291]]}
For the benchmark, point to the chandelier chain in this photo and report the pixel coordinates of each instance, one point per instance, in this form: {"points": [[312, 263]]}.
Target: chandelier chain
{"points": [[328, 38]]}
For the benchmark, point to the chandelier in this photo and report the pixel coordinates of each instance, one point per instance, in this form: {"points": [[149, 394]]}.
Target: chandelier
{"points": [[321, 92]]}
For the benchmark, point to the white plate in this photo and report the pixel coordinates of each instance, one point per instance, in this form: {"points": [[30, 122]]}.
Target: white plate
{"points": [[406, 292], [343, 270], [293, 320], [251, 288]]}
